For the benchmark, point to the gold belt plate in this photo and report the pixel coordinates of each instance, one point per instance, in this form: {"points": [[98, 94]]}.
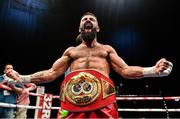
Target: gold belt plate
{"points": [[83, 89]]}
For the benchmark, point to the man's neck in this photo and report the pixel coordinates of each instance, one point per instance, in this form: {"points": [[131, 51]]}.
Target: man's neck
{"points": [[90, 45]]}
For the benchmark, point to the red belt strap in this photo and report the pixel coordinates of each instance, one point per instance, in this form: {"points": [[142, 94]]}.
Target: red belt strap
{"points": [[86, 90]]}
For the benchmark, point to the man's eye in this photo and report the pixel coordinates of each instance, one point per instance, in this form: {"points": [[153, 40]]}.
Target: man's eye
{"points": [[84, 19], [92, 19]]}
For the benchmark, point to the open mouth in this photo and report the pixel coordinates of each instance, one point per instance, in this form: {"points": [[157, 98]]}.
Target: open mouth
{"points": [[88, 25]]}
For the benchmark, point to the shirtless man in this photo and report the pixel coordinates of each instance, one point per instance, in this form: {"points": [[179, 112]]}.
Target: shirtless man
{"points": [[88, 92]]}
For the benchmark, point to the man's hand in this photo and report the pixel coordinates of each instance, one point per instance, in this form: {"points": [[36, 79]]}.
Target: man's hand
{"points": [[163, 67], [25, 91], [13, 75], [17, 78]]}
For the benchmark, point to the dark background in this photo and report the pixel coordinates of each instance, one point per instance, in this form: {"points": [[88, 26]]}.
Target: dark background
{"points": [[33, 34]]}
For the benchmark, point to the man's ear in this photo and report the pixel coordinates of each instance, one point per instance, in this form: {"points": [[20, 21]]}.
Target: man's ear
{"points": [[79, 30], [98, 29]]}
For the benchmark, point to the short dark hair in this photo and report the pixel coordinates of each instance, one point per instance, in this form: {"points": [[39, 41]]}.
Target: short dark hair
{"points": [[88, 13], [7, 64]]}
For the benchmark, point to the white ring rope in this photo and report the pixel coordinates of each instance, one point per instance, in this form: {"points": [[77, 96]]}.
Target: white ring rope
{"points": [[134, 97], [148, 98], [149, 110], [24, 106], [119, 109], [127, 97]]}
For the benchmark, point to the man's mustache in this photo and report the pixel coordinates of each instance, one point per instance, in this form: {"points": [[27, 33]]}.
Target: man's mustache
{"points": [[88, 25]]}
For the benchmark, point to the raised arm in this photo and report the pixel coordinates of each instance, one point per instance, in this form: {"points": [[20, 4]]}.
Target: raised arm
{"points": [[16, 89], [51, 74], [57, 69], [10, 87], [30, 86], [162, 67]]}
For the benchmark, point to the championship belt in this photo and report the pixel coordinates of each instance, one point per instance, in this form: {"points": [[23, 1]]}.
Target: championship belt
{"points": [[86, 90]]}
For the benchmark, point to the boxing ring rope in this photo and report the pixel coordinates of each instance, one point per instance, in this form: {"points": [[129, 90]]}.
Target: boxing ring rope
{"points": [[118, 98], [126, 97], [148, 98], [119, 109], [24, 106]]}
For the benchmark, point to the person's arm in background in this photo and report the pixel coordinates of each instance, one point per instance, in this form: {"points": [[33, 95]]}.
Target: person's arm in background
{"points": [[16, 89], [30, 86], [5, 85]]}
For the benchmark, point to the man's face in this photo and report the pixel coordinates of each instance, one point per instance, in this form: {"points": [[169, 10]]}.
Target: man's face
{"points": [[88, 28], [8, 68], [87, 23]]}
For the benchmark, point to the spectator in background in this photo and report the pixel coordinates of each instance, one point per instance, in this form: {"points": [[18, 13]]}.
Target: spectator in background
{"points": [[23, 99], [8, 93]]}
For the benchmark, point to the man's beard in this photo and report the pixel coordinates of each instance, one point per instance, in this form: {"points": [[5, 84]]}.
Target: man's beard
{"points": [[88, 37]]}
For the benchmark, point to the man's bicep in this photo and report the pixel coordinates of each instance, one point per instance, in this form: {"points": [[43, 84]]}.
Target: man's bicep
{"points": [[61, 65], [117, 63]]}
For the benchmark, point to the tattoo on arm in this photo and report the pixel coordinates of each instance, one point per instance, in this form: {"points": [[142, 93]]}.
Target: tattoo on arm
{"points": [[25, 79], [40, 77], [37, 75]]}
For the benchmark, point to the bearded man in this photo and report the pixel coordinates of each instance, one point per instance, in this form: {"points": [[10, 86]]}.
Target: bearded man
{"points": [[87, 91]]}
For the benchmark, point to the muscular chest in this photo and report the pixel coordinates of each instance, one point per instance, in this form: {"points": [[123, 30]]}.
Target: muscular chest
{"points": [[95, 58], [89, 53]]}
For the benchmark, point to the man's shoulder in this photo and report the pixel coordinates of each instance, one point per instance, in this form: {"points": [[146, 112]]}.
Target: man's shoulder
{"points": [[70, 48], [107, 46], [1, 76]]}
